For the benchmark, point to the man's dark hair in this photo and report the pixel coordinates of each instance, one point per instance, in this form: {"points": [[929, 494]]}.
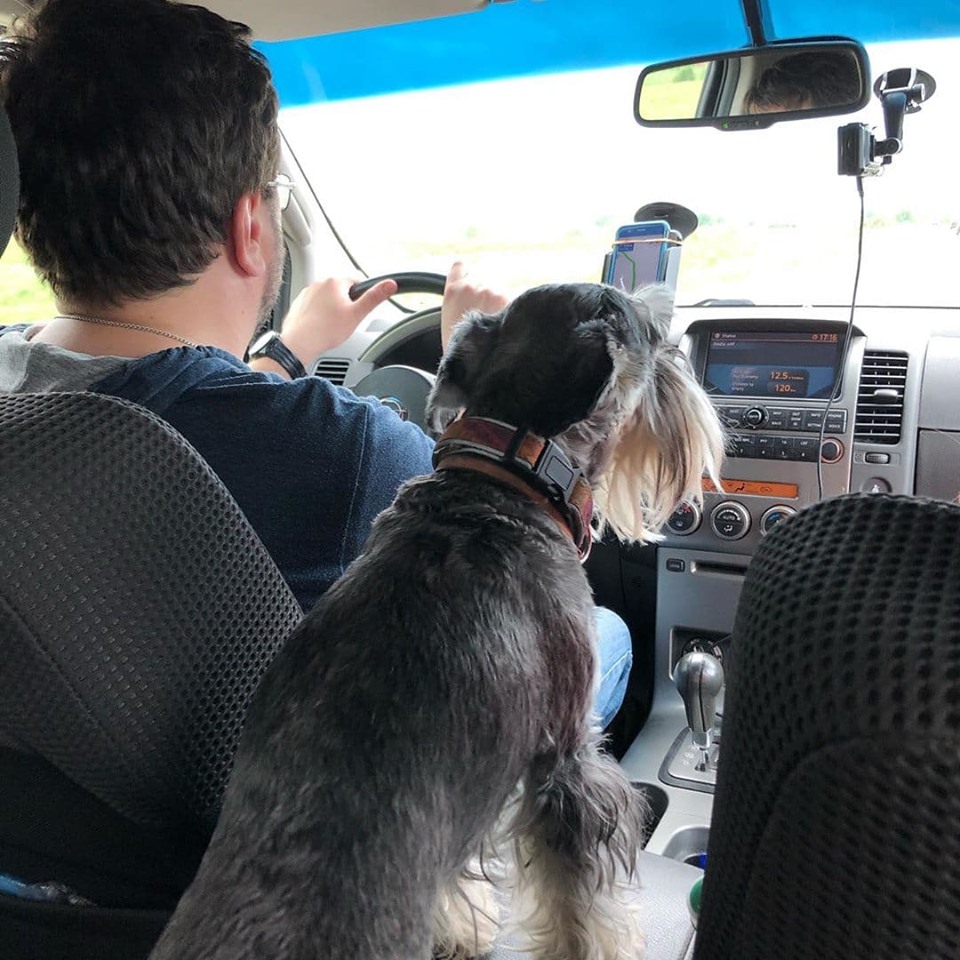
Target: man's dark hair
{"points": [[810, 80], [139, 125]]}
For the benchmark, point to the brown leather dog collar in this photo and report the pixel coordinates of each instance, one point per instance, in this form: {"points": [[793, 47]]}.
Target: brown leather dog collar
{"points": [[535, 467]]}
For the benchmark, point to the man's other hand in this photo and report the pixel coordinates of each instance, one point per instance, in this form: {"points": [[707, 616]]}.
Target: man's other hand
{"points": [[461, 295]]}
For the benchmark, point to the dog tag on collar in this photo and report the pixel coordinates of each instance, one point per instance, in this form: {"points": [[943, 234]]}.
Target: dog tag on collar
{"points": [[557, 471]]}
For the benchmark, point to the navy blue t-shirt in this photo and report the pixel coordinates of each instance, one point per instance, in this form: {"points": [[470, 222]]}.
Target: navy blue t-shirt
{"points": [[309, 463]]}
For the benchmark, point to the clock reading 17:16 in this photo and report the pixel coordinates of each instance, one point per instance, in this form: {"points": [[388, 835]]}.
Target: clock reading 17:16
{"points": [[825, 337]]}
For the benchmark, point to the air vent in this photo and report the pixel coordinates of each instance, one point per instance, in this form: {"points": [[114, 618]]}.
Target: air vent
{"points": [[333, 369], [883, 380]]}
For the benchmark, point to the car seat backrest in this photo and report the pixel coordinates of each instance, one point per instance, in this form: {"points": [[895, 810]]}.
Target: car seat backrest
{"points": [[834, 829], [138, 608]]}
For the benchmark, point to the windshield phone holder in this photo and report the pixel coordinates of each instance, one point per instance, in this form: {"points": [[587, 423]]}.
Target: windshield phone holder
{"points": [[900, 91], [681, 222]]}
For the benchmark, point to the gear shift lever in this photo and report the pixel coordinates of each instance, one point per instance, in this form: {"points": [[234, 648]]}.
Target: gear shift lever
{"points": [[699, 680]]}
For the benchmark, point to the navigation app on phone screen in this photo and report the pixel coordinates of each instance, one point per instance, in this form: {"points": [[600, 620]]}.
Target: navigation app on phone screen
{"points": [[638, 254]]}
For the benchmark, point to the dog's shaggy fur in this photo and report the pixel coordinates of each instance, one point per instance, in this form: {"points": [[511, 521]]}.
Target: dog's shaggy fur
{"points": [[442, 689]]}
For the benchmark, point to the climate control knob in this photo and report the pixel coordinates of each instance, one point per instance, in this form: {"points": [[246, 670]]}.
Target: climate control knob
{"points": [[773, 516], [685, 519], [730, 520]]}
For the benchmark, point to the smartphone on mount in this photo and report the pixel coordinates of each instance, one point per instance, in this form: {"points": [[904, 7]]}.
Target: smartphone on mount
{"points": [[639, 255]]}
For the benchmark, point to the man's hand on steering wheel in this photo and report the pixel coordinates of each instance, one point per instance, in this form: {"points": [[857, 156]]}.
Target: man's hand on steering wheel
{"points": [[323, 316]]}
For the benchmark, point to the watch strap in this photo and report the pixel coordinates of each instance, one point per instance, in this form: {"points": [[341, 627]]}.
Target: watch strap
{"points": [[279, 352]]}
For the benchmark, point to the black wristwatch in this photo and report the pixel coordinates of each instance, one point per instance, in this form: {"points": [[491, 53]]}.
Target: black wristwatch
{"points": [[270, 345]]}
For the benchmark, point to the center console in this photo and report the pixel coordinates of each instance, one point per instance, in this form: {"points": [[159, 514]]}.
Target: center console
{"points": [[787, 393], [788, 407]]}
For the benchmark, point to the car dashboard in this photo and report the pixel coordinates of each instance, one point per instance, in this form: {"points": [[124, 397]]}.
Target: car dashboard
{"points": [[790, 442], [890, 426]]}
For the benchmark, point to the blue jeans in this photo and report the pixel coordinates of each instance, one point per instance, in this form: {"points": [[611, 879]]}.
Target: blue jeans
{"points": [[616, 658]]}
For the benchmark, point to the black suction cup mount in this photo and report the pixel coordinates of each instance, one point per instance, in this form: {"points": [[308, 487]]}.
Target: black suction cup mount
{"points": [[681, 219], [900, 92]]}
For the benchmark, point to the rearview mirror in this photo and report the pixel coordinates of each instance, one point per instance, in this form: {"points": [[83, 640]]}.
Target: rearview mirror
{"points": [[755, 86]]}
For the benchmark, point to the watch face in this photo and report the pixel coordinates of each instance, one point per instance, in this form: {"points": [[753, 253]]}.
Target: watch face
{"points": [[261, 342]]}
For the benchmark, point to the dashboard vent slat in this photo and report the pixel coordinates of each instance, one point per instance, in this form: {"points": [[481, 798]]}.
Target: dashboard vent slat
{"points": [[883, 381], [333, 369]]}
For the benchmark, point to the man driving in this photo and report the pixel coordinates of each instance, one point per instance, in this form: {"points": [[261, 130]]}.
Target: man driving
{"points": [[151, 203]]}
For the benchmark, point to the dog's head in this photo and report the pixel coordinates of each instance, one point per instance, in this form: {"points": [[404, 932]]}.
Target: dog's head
{"points": [[590, 367]]}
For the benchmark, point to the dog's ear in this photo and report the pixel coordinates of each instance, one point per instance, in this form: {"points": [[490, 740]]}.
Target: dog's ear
{"points": [[473, 340], [655, 302], [665, 446]]}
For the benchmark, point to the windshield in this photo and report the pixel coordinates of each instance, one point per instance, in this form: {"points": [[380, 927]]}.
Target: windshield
{"points": [[528, 179]]}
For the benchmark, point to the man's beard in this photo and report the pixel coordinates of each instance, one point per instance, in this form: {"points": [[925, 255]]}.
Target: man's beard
{"points": [[273, 282]]}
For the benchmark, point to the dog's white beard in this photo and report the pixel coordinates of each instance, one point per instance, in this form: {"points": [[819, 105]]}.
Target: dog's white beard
{"points": [[559, 920], [467, 918]]}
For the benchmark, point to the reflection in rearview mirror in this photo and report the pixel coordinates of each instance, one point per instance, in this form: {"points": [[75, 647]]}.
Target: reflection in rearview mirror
{"points": [[752, 88]]}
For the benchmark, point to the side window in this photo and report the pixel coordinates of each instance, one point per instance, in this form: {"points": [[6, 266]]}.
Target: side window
{"points": [[24, 297]]}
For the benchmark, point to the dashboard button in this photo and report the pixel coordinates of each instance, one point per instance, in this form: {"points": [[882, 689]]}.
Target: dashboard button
{"points": [[812, 419], [874, 457], [732, 415], [783, 448], [744, 446], [806, 449], [730, 520], [766, 448], [777, 420], [795, 420], [875, 485], [676, 565], [685, 519], [831, 451], [755, 417], [773, 516], [837, 421]]}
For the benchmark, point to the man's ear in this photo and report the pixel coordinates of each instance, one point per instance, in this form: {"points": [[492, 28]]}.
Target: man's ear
{"points": [[247, 235], [473, 340]]}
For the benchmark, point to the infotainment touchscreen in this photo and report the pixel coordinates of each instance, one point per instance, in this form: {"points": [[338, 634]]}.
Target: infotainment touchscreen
{"points": [[796, 366]]}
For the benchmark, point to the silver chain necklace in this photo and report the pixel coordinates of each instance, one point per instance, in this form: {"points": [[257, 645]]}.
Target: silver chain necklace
{"points": [[126, 326]]}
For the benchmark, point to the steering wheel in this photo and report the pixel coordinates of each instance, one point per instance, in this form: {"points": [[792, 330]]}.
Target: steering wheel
{"points": [[401, 387], [412, 281]]}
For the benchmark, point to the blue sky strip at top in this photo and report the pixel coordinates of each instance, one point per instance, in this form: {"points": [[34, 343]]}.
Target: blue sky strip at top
{"points": [[521, 38], [529, 37]]}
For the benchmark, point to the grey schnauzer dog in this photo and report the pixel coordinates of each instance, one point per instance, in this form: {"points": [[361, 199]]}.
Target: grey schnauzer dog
{"points": [[438, 699]]}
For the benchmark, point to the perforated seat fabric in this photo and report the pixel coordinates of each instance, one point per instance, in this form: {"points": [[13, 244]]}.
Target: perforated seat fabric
{"points": [[836, 824], [138, 608]]}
